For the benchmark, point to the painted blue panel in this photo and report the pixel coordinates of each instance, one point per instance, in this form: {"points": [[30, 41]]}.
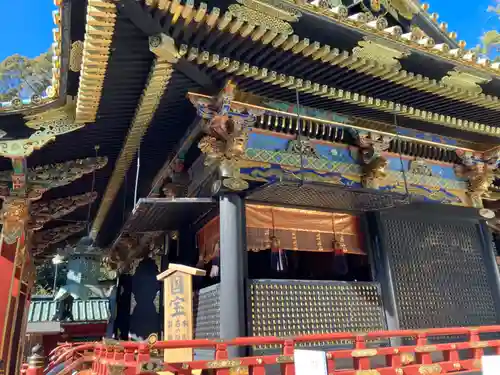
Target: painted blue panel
{"points": [[395, 164], [267, 142], [334, 153], [276, 173]]}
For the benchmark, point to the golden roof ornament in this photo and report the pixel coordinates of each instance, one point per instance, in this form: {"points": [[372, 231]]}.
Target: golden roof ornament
{"points": [[404, 8], [465, 79], [274, 15], [382, 51]]}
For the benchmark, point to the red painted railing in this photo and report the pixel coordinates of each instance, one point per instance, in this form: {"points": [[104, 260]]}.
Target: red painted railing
{"points": [[422, 358]]}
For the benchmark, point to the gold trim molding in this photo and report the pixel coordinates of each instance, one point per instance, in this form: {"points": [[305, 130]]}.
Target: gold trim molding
{"points": [[101, 19], [262, 74], [159, 78], [236, 24], [23, 147]]}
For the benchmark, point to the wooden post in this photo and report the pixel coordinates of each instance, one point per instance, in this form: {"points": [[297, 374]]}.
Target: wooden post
{"points": [[178, 308]]}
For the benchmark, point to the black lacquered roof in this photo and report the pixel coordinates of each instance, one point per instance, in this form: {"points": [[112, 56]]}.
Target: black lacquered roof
{"points": [[127, 74]]}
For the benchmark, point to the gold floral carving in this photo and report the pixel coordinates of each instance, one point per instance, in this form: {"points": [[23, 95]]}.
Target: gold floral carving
{"points": [[381, 51], [371, 145], [61, 174], [15, 214], [261, 19], [43, 212], [23, 147], [54, 121], [466, 80], [480, 175], [367, 372], [274, 8], [225, 141], [76, 56], [43, 239], [433, 369], [403, 8], [419, 167]]}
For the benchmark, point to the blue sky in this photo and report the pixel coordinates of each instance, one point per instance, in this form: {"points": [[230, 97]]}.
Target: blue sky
{"points": [[468, 18], [26, 25]]}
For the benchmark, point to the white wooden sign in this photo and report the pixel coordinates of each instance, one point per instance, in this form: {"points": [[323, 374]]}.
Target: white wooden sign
{"points": [[310, 362], [491, 364]]}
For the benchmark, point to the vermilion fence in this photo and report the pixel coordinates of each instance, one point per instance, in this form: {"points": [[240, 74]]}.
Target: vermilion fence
{"points": [[423, 358]]}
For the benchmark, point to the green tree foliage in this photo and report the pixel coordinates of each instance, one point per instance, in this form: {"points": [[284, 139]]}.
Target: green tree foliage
{"points": [[490, 41], [45, 273], [22, 77]]}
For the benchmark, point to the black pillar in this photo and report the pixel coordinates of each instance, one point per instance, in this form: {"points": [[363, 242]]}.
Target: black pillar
{"points": [[232, 269]]}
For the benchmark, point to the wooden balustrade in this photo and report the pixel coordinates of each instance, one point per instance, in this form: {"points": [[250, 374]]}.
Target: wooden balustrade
{"points": [[423, 357]]}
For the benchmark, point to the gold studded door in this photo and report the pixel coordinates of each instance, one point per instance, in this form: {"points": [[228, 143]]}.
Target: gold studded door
{"points": [[440, 271]]}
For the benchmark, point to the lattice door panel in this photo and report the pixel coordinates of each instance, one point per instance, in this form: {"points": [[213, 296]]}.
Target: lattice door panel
{"points": [[439, 273]]}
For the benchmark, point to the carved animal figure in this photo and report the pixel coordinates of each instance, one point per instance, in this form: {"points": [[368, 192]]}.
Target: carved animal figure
{"points": [[376, 168]]}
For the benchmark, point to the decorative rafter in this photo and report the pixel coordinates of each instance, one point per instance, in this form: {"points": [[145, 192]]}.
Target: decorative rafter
{"points": [[274, 78], [44, 211], [45, 177], [100, 27], [44, 239], [159, 78], [235, 24]]}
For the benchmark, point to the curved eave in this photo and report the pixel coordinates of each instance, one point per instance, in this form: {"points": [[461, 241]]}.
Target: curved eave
{"points": [[270, 91], [213, 33], [461, 60]]}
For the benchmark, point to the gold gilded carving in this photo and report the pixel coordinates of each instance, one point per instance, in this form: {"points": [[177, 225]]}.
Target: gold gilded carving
{"points": [[43, 239], [302, 146], [284, 359], [407, 358], [379, 50], [23, 147], [239, 370], [224, 363], [164, 47], [433, 369], [225, 141], [374, 164], [54, 121], [261, 19], [403, 8], [466, 80], [275, 8], [43, 212], [479, 344], [419, 167], [480, 176], [367, 372], [425, 349], [76, 56], [61, 174], [15, 214], [45, 177], [364, 353]]}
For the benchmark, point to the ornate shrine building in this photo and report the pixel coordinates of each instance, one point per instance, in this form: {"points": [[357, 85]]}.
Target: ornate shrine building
{"points": [[284, 167]]}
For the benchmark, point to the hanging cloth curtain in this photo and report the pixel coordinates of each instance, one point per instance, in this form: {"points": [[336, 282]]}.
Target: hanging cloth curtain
{"points": [[339, 252], [279, 261]]}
